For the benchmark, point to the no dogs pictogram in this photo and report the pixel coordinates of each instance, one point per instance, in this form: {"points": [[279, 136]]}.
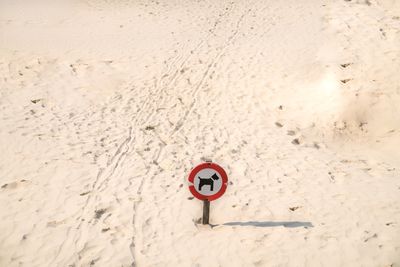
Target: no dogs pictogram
{"points": [[208, 181]]}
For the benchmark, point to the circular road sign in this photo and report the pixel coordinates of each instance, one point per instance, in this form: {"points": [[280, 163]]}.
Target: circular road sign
{"points": [[208, 181]]}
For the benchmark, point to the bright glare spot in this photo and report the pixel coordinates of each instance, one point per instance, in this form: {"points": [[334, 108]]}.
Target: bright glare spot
{"points": [[329, 85]]}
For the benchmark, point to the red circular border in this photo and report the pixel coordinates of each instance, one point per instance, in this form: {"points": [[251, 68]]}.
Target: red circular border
{"points": [[217, 168]]}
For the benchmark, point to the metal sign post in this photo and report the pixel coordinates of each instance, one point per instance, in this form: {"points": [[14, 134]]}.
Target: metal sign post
{"points": [[206, 212]]}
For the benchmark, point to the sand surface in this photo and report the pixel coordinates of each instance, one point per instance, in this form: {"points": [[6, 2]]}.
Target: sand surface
{"points": [[105, 107]]}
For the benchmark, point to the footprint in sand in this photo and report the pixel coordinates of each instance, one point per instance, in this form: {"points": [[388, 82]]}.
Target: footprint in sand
{"points": [[14, 185]]}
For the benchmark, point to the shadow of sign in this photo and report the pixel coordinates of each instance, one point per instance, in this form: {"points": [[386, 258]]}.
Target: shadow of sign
{"points": [[271, 224]]}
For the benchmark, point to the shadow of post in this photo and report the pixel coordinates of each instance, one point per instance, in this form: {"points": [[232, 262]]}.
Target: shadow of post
{"points": [[271, 224]]}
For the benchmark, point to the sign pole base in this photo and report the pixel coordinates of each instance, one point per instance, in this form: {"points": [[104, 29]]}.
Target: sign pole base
{"points": [[206, 212]]}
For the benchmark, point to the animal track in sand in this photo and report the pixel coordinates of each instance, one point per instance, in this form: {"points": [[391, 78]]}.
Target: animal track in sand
{"points": [[345, 80], [296, 141], [99, 213], [345, 65]]}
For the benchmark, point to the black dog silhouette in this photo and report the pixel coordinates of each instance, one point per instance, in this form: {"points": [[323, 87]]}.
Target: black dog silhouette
{"points": [[208, 181]]}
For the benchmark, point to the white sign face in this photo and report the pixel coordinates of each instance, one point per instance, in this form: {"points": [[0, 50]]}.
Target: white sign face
{"points": [[207, 182]]}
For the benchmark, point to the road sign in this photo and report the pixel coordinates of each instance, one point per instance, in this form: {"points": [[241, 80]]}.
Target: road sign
{"points": [[208, 181]]}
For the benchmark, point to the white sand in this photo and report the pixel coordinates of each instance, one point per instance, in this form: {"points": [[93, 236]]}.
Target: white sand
{"points": [[105, 106]]}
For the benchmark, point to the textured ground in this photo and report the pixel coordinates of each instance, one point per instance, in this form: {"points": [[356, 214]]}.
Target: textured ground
{"points": [[106, 106]]}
